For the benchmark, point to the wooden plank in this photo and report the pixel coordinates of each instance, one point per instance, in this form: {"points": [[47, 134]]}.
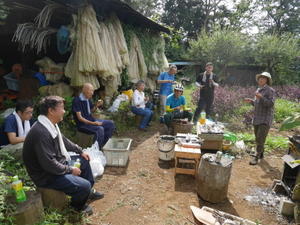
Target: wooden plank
{"points": [[185, 171]]}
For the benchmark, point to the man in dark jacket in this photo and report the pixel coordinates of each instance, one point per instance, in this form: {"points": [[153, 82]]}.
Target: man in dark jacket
{"points": [[263, 103], [206, 82], [48, 163]]}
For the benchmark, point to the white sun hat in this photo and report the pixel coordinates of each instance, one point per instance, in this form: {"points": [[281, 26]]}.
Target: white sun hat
{"points": [[265, 74]]}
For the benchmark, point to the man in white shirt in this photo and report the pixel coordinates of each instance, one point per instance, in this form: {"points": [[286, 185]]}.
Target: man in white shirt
{"points": [[139, 105]]}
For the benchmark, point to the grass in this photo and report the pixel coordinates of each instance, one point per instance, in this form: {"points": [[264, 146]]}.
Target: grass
{"points": [[272, 143]]}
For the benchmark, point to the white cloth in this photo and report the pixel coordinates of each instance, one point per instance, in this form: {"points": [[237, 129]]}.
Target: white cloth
{"points": [[54, 131], [211, 78], [22, 132], [138, 99], [205, 77], [117, 102], [83, 98]]}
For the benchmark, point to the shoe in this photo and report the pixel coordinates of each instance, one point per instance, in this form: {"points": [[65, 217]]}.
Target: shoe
{"points": [[261, 155], [254, 161], [161, 120], [149, 124], [95, 195], [142, 129], [87, 210]]}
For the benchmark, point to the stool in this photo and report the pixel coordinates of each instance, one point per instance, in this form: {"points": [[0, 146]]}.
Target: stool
{"points": [[189, 156], [84, 140], [53, 198]]}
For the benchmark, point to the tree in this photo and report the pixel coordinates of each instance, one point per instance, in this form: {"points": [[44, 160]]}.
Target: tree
{"points": [[222, 46], [3, 10], [279, 16], [278, 54], [148, 8]]}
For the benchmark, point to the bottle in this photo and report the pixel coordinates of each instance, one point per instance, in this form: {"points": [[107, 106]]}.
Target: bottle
{"points": [[17, 186], [77, 163], [202, 119]]}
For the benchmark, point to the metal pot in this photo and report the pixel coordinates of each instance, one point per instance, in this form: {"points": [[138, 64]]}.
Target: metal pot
{"points": [[166, 145]]}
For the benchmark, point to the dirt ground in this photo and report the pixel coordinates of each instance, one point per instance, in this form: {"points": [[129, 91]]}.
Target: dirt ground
{"points": [[146, 191]]}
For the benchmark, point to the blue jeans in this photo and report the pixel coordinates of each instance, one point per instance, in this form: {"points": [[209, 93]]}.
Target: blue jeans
{"points": [[101, 133], [78, 187], [145, 113]]}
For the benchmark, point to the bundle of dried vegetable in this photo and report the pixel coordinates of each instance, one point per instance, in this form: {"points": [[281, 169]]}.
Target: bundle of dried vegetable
{"points": [[37, 35], [137, 68], [88, 59], [120, 40], [88, 44]]}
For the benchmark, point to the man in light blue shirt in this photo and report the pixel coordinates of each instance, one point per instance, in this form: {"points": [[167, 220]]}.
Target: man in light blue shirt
{"points": [[166, 79]]}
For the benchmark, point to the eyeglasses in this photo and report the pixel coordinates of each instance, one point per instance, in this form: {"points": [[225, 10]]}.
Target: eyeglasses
{"points": [[28, 112]]}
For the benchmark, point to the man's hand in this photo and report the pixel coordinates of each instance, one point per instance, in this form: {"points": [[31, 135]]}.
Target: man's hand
{"points": [[99, 103], [258, 95], [97, 123], [85, 156], [248, 100], [76, 171]]}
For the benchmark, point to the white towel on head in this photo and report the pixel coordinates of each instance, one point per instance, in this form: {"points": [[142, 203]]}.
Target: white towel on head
{"points": [[54, 131], [22, 132]]}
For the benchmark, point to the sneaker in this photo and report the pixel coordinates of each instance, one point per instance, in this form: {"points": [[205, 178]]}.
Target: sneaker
{"points": [[261, 155], [161, 119], [254, 161], [142, 129], [87, 210], [95, 195]]}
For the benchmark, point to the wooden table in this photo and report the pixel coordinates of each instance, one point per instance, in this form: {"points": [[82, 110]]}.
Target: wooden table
{"points": [[189, 156]]}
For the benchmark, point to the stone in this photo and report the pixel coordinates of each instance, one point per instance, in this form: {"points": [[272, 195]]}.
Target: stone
{"points": [[53, 198], [29, 212]]}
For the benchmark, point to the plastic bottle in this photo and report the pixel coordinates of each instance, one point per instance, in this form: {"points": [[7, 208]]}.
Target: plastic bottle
{"points": [[202, 119], [17, 186], [77, 163]]}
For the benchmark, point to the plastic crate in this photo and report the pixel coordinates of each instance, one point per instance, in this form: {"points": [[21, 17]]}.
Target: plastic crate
{"points": [[11, 81], [116, 151]]}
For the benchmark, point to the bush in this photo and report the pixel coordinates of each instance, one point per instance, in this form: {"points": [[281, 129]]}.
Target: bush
{"points": [[285, 108]]}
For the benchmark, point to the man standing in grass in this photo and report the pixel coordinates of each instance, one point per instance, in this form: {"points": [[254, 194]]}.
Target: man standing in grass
{"points": [[263, 103], [206, 82]]}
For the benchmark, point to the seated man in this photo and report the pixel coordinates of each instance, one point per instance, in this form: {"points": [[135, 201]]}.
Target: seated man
{"points": [[175, 106], [17, 125], [82, 108], [49, 164], [139, 107]]}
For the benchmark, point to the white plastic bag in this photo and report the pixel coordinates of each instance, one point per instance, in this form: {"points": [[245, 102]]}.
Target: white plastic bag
{"points": [[97, 159], [117, 102], [239, 146]]}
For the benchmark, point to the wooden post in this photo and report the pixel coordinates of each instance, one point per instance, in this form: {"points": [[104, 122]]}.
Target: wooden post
{"points": [[213, 178], [53, 198], [31, 211]]}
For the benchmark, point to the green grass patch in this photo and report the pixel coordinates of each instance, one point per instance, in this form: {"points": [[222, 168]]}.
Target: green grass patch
{"points": [[272, 142], [285, 108]]}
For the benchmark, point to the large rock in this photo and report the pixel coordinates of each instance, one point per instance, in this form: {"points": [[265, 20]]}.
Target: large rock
{"points": [[53, 198], [29, 212]]}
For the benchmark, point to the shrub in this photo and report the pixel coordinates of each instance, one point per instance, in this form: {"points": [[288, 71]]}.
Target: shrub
{"points": [[285, 108]]}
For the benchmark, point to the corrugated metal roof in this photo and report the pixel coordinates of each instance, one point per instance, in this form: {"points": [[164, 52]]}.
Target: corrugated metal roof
{"points": [[185, 63]]}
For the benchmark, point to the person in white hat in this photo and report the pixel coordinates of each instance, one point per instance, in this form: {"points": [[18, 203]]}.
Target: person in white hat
{"points": [[263, 103]]}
